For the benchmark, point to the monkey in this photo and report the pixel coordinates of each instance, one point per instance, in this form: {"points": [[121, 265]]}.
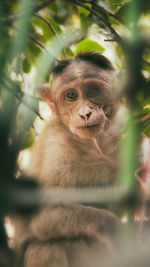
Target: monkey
{"points": [[78, 148]]}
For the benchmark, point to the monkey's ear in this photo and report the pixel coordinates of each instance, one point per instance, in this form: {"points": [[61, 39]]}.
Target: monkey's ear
{"points": [[45, 93]]}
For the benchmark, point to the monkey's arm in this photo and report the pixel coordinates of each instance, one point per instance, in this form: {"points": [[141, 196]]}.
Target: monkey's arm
{"points": [[66, 235], [70, 222]]}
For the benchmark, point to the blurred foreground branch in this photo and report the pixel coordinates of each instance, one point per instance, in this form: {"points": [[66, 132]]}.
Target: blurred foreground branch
{"points": [[86, 196]]}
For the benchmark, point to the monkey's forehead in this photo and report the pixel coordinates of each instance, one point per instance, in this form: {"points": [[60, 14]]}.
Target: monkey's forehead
{"points": [[81, 71]]}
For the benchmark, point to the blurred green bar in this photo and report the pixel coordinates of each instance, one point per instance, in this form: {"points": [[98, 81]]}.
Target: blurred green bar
{"points": [[128, 152]]}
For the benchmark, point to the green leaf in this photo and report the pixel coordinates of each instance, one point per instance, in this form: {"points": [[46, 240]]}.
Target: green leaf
{"points": [[53, 7], [69, 52], [147, 132], [26, 65], [83, 11], [28, 139], [32, 50], [145, 67], [39, 24], [146, 103], [89, 45], [55, 25]]}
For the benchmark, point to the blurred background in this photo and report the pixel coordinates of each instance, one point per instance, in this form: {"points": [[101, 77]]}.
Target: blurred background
{"points": [[33, 35]]}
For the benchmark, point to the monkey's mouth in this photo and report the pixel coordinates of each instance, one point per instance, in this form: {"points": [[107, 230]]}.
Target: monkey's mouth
{"points": [[93, 126]]}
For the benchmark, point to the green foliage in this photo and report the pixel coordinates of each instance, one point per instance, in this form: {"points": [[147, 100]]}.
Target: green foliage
{"points": [[87, 45]]}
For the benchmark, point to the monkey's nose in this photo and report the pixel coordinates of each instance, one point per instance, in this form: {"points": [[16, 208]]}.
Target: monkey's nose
{"points": [[86, 116]]}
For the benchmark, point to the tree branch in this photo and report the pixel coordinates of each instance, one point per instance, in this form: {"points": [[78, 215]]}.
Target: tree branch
{"points": [[38, 43], [143, 119], [108, 13], [117, 37], [52, 30], [32, 109], [42, 5], [102, 9], [35, 40]]}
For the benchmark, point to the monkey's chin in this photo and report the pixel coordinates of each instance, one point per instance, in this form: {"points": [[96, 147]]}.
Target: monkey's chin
{"points": [[88, 132]]}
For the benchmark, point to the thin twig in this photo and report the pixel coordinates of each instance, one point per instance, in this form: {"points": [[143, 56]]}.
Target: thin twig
{"points": [[109, 40], [40, 44], [42, 5], [52, 30], [117, 37], [143, 119], [26, 104], [33, 110], [117, 4], [102, 9], [108, 13], [48, 23], [35, 40]]}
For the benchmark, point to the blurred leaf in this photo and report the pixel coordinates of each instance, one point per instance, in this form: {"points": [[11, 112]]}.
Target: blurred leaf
{"points": [[147, 54], [87, 45], [119, 53], [22, 24], [28, 139], [40, 26], [53, 7], [145, 127], [86, 22], [147, 132], [146, 67], [26, 114], [69, 52], [50, 54], [26, 65], [131, 11], [146, 102], [55, 25], [64, 11], [32, 51], [10, 7], [83, 11]]}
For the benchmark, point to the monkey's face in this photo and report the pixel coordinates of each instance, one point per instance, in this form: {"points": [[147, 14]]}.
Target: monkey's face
{"points": [[83, 99]]}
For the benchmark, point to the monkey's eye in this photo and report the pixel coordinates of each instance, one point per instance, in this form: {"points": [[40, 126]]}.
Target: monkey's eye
{"points": [[71, 94], [93, 91]]}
